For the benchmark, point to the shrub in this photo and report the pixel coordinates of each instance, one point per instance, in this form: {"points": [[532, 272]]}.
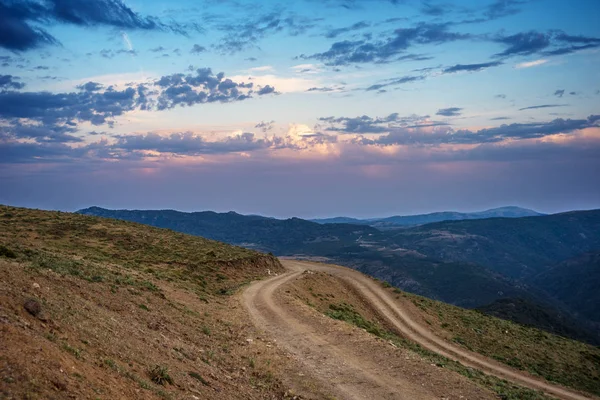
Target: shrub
{"points": [[159, 374]]}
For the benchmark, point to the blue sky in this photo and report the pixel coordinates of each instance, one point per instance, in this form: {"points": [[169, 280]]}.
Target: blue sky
{"points": [[313, 108]]}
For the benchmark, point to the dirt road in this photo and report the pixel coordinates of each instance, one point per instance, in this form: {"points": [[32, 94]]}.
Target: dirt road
{"points": [[338, 364]]}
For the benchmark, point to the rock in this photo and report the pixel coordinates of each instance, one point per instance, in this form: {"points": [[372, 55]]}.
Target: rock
{"points": [[32, 307], [36, 285], [249, 341]]}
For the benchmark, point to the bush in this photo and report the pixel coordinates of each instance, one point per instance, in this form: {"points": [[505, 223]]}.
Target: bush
{"points": [[6, 252], [160, 375]]}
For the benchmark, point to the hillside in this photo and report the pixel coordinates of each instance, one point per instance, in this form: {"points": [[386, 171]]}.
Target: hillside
{"points": [[529, 313], [97, 308], [282, 237], [575, 282], [554, 358]]}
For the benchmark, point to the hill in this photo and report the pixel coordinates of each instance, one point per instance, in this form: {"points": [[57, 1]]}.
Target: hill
{"points": [[420, 219], [97, 308], [288, 236]]}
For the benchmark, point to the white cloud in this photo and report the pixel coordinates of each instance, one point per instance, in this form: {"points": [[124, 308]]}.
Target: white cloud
{"points": [[307, 68], [530, 64], [281, 84], [262, 68]]}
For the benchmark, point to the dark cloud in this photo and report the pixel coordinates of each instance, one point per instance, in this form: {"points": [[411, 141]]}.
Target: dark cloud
{"points": [[109, 53], [390, 48], [90, 87], [265, 126], [524, 43], [10, 82], [447, 135], [203, 87], [47, 133], [246, 33], [449, 112], [471, 67], [98, 105], [333, 33], [542, 106], [434, 10], [395, 82], [500, 96], [188, 143], [503, 8], [365, 124], [20, 19], [570, 49], [552, 43], [266, 90], [559, 93], [52, 108], [499, 118], [197, 49], [320, 89]]}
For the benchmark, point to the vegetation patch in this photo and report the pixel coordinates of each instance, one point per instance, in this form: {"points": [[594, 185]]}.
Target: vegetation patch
{"points": [[557, 359]]}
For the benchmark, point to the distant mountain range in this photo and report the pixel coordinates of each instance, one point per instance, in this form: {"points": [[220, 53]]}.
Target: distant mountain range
{"points": [[550, 261], [420, 219]]}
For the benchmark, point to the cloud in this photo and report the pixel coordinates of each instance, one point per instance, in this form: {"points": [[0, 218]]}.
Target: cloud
{"points": [[543, 106], [203, 87], [158, 49], [265, 126], [559, 93], [266, 90], [244, 33], [517, 131], [503, 8], [500, 96], [552, 43], [197, 49], [320, 89], [10, 82], [17, 31], [333, 33], [524, 43], [449, 112], [471, 67], [90, 87], [98, 105], [378, 125], [530, 64], [394, 82], [390, 48]]}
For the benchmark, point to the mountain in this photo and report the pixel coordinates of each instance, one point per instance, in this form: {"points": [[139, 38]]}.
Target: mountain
{"points": [[283, 237], [411, 220], [515, 247]]}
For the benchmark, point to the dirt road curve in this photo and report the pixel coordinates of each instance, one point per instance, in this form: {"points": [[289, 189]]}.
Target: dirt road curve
{"points": [[346, 374]]}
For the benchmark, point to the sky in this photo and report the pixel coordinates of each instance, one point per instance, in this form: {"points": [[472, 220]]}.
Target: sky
{"points": [[311, 108]]}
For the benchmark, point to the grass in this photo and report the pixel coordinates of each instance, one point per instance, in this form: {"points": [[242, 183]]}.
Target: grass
{"points": [[159, 374], [87, 247], [557, 359], [505, 390]]}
